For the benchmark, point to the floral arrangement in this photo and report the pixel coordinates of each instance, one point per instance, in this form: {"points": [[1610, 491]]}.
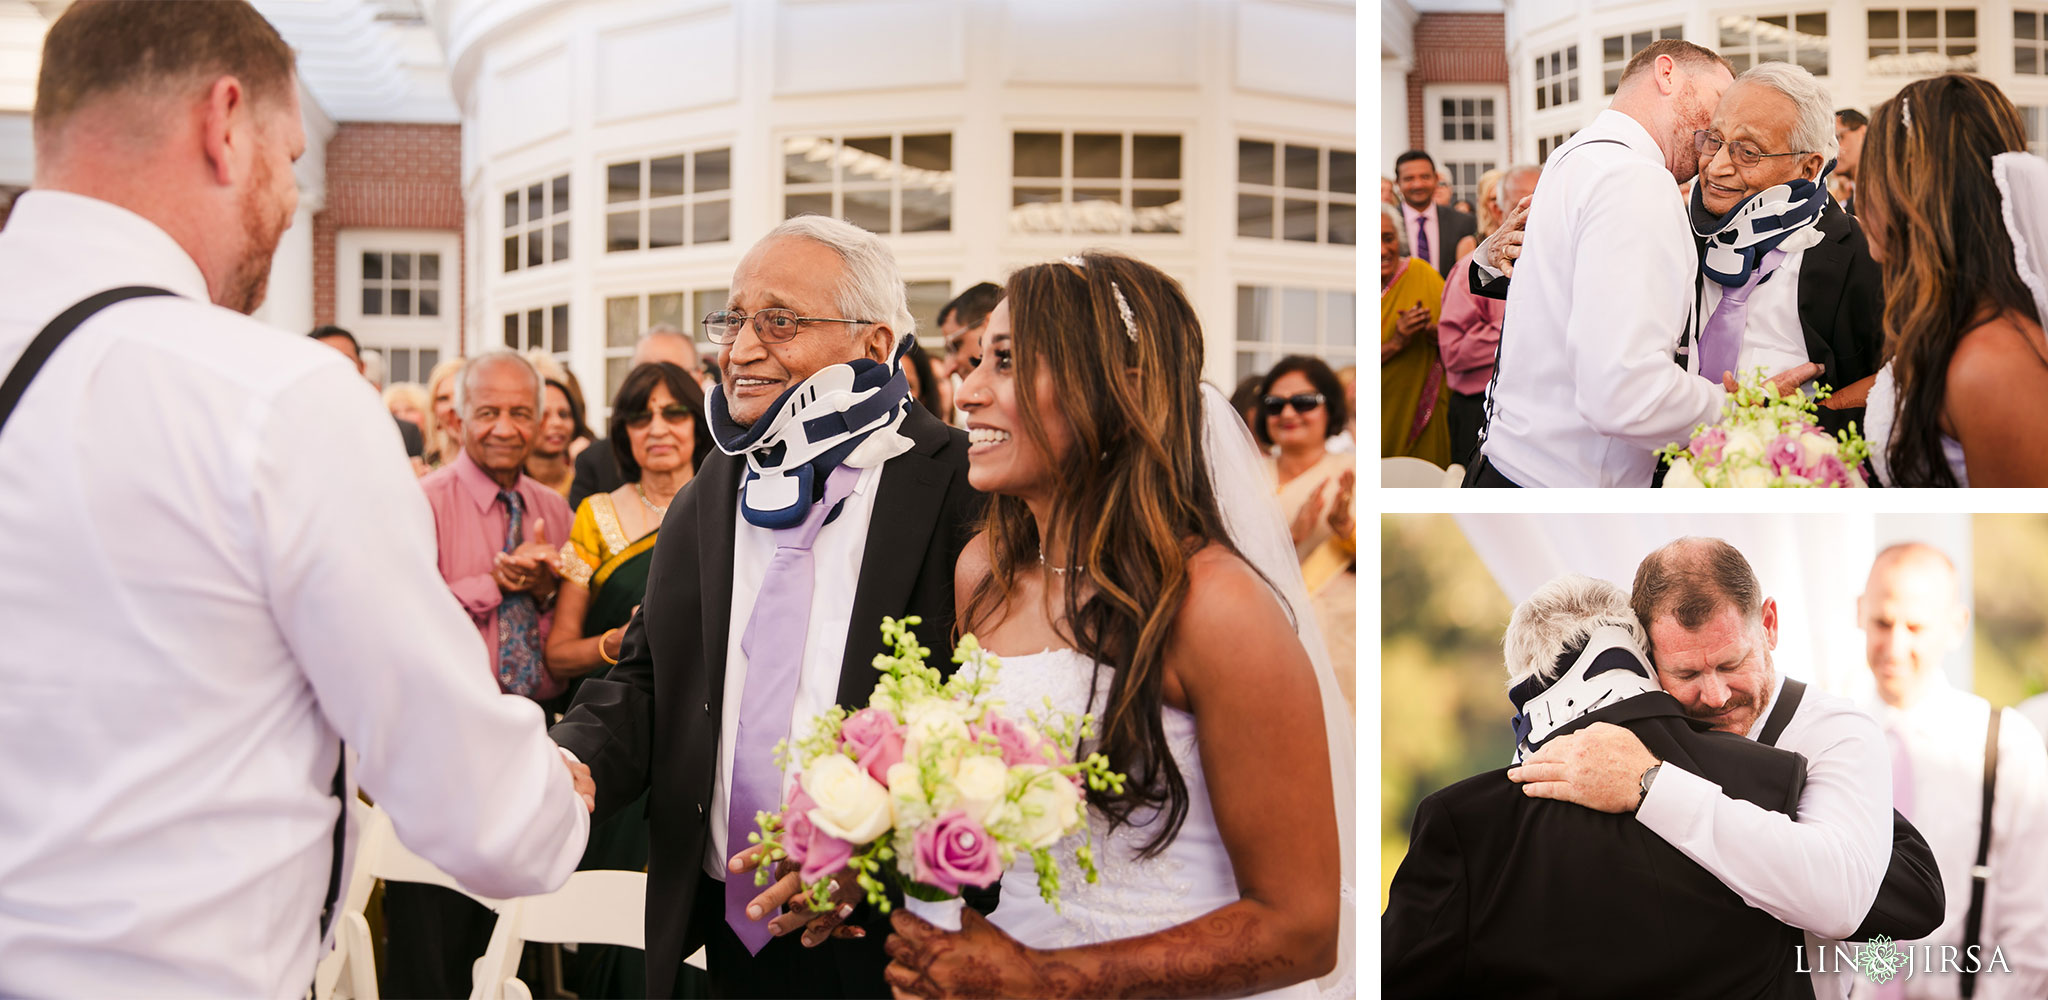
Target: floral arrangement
{"points": [[1765, 439], [932, 786]]}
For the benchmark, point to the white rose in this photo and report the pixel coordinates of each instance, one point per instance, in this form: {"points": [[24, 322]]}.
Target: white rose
{"points": [[1742, 443], [979, 784], [1814, 447], [1681, 476], [851, 806], [906, 791], [1750, 476], [1049, 807], [931, 720]]}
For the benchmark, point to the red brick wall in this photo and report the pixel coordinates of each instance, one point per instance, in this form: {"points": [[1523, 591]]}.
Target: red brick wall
{"points": [[1455, 48], [385, 176]]}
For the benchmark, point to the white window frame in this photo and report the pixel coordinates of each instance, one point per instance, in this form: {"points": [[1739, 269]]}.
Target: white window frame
{"points": [[387, 333], [1483, 154], [1565, 78], [1629, 48], [690, 201], [697, 301], [941, 182], [2034, 118], [557, 242], [553, 316], [1941, 60], [1338, 347], [2037, 44], [1127, 184], [1282, 193], [1546, 145]]}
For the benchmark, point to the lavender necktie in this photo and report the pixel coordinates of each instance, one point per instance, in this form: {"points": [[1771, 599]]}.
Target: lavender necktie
{"points": [[1422, 238], [1721, 341], [774, 646]]}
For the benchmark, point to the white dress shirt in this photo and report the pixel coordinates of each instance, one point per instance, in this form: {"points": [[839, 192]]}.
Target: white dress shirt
{"points": [[1772, 338], [1944, 739], [836, 558], [1820, 873], [1587, 384], [221, 564]]}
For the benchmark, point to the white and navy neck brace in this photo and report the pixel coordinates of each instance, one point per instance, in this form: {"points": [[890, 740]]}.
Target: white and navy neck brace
{"points": [[1739, 240], [1606, 670], [847, 414]]}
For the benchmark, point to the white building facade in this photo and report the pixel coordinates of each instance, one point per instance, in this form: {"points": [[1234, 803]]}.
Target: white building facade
{"points": [[621, 155]]}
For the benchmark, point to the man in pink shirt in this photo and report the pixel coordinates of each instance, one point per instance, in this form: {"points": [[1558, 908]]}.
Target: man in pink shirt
{"points": [[1468, 330], [498, 532]]}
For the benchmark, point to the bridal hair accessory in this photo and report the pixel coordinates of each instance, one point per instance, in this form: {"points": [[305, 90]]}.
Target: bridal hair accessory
{"points": [[1906, 110], [1123, 305]]}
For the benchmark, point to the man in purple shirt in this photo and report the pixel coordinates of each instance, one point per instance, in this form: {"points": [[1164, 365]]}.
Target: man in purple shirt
{"points": [[497, 530], [1468, 331]]}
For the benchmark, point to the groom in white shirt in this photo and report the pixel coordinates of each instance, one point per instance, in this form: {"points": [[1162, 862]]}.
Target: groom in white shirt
{"points": [[1586, 386]]}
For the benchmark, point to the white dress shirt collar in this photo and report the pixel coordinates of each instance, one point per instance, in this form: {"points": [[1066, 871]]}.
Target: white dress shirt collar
{"points": [[123, 245], [1756, 727]]}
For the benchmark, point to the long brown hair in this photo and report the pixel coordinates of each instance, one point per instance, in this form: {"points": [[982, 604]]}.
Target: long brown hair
{"points": [[1133, 499], [1928, 201]]}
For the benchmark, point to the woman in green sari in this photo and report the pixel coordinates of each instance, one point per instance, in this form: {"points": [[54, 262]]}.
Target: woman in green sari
{"points": [[659, 434]]}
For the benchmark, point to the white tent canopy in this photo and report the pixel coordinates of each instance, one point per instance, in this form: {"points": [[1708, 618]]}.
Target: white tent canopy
{"points": [[1813, 565]]}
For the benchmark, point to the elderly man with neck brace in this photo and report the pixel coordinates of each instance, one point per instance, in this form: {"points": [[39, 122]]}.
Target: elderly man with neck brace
{"points": [[1785, 273]]}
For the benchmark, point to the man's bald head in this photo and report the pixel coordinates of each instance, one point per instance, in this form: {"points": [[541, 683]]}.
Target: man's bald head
{"points": [[1912, 616]]}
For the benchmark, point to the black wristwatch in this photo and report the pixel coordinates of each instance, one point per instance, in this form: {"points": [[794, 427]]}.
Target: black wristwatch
{"points": [[1643, 785]]}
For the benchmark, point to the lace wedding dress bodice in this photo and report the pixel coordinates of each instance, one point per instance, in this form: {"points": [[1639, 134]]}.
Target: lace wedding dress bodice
{"points": [[1131, 896]]}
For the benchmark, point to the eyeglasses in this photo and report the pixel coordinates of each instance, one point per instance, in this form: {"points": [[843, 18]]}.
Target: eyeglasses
{"points": [[672, 414], [773, 326], [1303, 403], [1707, 144]]}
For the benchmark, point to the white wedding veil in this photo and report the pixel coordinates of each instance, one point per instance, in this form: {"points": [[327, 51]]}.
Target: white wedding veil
{"points": [[2023, 197], [1251, 513]]}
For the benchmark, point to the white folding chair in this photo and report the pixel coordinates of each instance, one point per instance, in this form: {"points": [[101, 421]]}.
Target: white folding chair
{"points": [[593, 907], [350, 970], [1454, 477], [1405, 473]]}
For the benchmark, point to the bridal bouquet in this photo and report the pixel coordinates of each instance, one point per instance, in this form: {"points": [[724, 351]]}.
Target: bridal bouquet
{"points": [[1764, 439], [933, 786]]}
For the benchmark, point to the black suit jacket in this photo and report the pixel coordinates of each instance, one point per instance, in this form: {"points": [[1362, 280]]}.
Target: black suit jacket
{"points": [[1452, 226], [653, 722], [1504, 895], [597, 471], [1841, 309]]}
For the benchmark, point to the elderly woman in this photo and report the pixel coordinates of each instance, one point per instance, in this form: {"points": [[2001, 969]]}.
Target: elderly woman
{"points": [[1414, 397]]}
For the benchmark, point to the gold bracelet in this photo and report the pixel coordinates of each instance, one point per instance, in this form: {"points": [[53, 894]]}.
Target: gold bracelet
{"points": [[600, 647]]}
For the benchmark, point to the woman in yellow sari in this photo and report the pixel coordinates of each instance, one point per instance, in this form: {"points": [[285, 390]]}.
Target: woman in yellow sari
{"points": [[658, 434], [1414, 396]]}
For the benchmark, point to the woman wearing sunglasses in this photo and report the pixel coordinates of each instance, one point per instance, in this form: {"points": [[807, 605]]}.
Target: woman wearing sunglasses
{"points": [[658, 434], [1301, 407]]}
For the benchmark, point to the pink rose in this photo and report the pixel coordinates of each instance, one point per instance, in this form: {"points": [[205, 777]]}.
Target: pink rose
{"points": [[1830, 471], [865, 728], [1017, 744], [1785, 454], [818, 852], [1706, 448], [883, 754], [953, 851]]}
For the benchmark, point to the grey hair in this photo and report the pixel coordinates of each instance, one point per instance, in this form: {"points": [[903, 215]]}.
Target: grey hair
{"points": [[1508, 175], [1393, 215], [489, 359], [1814, 127], [1560, 615], [872, 289]]}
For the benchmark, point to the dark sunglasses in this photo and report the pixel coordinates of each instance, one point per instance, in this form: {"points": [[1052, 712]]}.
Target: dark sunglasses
{"points": [[1303, 403], [672, 414]]}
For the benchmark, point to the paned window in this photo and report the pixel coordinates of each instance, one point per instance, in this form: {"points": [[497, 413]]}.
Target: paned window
{"points": [[407, 364], [1547, 145], [1923, 41], [1275, 322], [1464, 178], [1557, 78], [545, 328], [1296, 191], [891, 183], [537, 224], [1802, 38], [1466, 119], [401, 284], [1617, 50], [1096, 182], [2035, 119], [626, 317], [668, 201], [2030, 42]]}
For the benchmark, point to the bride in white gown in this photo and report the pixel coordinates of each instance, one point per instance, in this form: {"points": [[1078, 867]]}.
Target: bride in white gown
{"points": [[1175, 616]]}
